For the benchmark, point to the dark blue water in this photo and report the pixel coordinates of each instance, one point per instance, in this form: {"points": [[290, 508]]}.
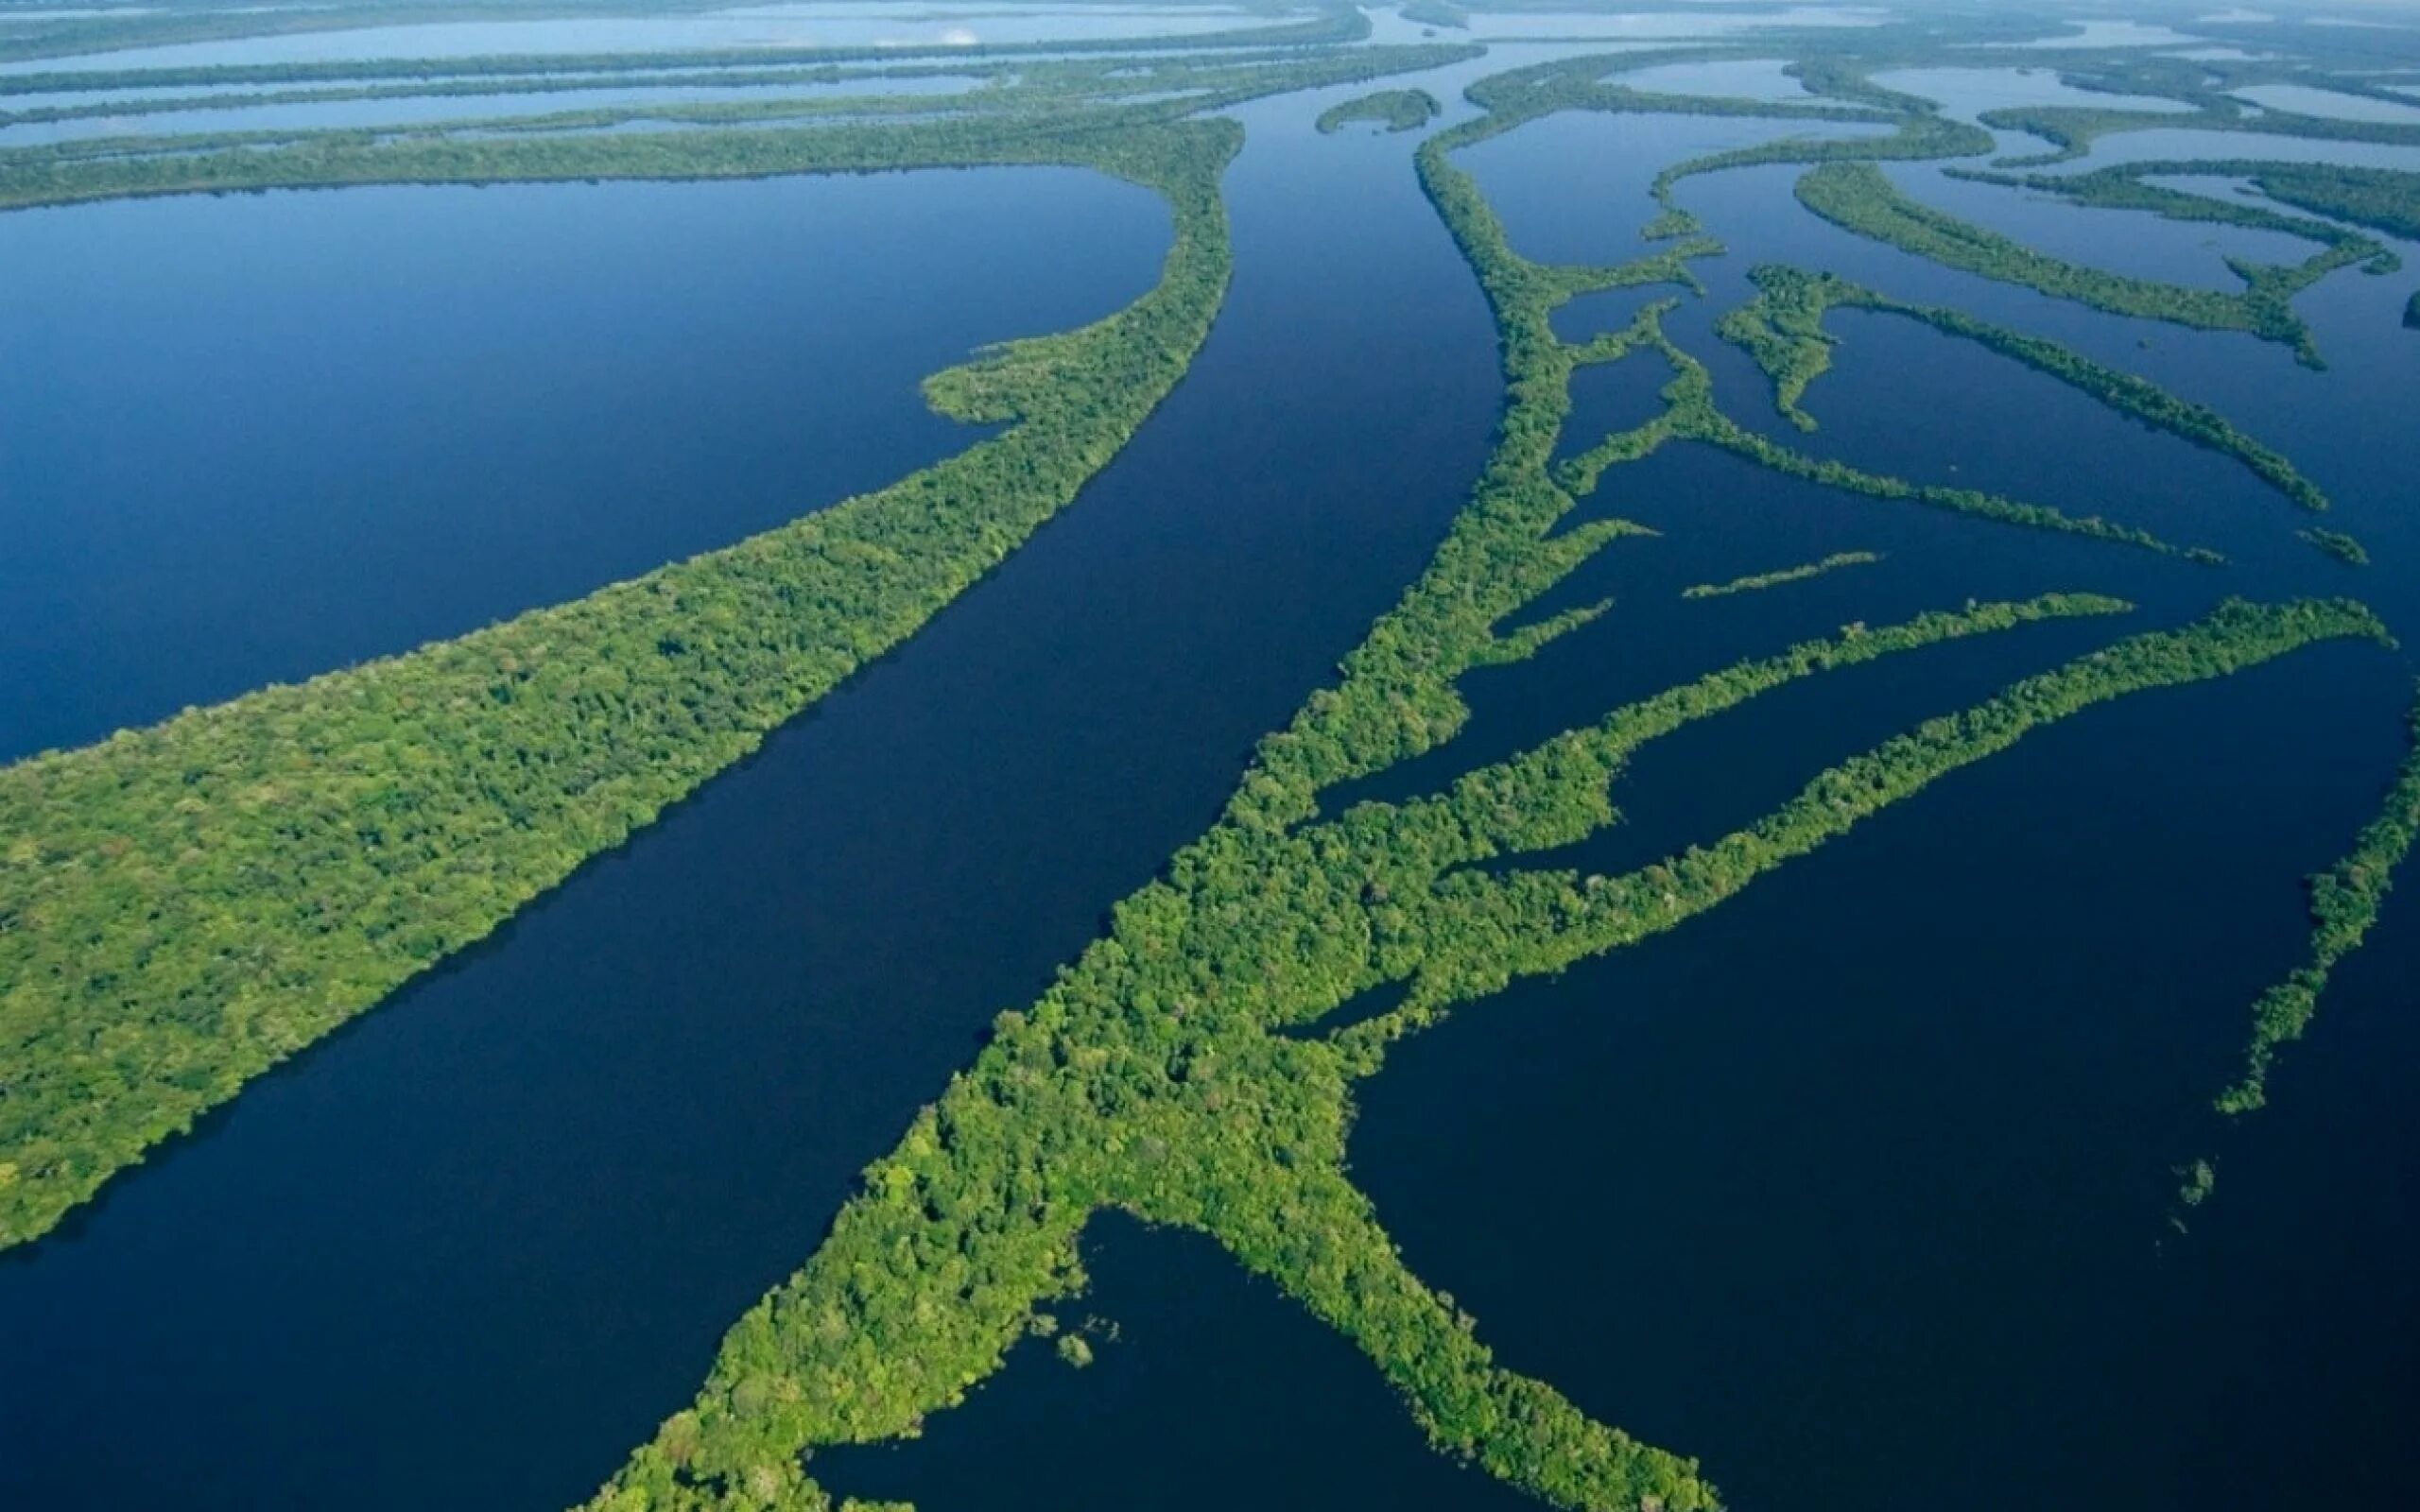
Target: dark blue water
{"points": [[530, 1193], [1573, 188], [1208, 1388], [1854, 1187], [1611, 397], [286, 433]]}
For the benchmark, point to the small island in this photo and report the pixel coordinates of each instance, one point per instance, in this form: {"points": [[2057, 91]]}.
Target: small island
{"points": [[1397, 110]]}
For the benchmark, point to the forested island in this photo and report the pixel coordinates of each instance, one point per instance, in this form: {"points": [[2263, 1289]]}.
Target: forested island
{"points": [[1396, 110], [1781, 577]]}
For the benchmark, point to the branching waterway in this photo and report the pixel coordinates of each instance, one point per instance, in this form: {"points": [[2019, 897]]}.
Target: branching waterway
{"points": [[1680, 739]]}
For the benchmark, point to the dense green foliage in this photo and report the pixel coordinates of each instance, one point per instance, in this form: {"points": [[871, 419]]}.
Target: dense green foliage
{"points": [[1178, 1068], [767, 80], [2339, 545], [2126, 186], [1151, 1077], [1692, 415], [2344, 901], [1782, 329], [332, 840], [1175, 84], [186, 906], [1857, 197], [1755, 581], [2074, 129], [1397, 110], [182, 906], [1336, 24], [1918, 138], [938, 129]]}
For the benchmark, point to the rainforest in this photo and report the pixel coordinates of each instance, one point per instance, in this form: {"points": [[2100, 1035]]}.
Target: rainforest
{"points": [[1631, 755]]}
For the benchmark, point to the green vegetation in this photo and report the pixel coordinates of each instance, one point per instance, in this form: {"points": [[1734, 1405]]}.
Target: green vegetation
{"points": [[2074, 129], [1918, 138], [1525, 295], [1178, 1071], [188, 904], [1541, 90], [1151, 1077], [764, 80], [2375, 197], [69, 30], [1436, 13], [2344, 901], [2206, 87], [1857, 197], [1397, 110], [2328, 191], [332, 840], [1782, 329], [182, 906], [555, 148], [2381, 200], [2200, 1179], [1338, 23], [997, 87], [1786, 574], [1692, 415], [2339, 545]]}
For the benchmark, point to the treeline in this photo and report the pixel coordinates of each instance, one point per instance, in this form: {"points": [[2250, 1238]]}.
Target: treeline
{"points": [[1692, 415], [1152, 1076], [1858, 197], [2344, 903], [1023, 87], [1397, 110], [2384, 200], [330, 841], [1148, 1076], [2072, 131], [2125, 186], [2338, 544], [1335, 25], [1918, 138], [182, 906], [1782, 329], [111, 107], [979, 126], [1539, 89], [1756, 582]]}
